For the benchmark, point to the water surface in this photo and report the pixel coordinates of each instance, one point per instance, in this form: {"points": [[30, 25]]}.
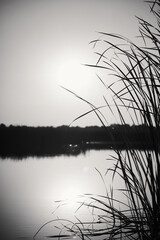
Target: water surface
{"points": [[30, 187]]}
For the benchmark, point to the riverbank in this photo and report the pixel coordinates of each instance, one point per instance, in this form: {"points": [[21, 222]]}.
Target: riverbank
{"points": [[21, 141]]}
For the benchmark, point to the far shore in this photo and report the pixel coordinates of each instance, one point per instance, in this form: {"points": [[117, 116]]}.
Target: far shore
{"points": [[21, 141]]}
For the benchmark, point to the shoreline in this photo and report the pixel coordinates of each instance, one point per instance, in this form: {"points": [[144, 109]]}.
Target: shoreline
{"points": [[75, 149]]}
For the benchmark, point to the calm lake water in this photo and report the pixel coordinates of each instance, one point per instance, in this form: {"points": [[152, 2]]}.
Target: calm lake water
{"points": [[30, 187]]}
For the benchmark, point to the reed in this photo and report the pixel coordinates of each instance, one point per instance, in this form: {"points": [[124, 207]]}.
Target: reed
{"points": [[136, 70]]}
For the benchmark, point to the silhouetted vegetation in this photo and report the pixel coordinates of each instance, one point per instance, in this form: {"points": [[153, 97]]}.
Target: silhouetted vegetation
{"points": [[25, 141], [137, 70]]}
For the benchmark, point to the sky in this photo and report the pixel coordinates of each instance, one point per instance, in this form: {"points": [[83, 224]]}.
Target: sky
{"points": [[44, 45]]}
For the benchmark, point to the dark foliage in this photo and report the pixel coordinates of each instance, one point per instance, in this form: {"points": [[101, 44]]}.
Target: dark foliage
{"points": [[25, 141]]}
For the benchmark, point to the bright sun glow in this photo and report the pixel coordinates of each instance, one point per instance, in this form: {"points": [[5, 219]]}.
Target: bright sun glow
{"points": [[70, 191], [73, 75]]}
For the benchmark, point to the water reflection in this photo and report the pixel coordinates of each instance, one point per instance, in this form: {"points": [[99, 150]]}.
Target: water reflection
{"points": [[30, 188]]}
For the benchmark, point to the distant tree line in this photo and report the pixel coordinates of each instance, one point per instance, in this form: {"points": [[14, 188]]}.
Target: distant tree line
{"points": [[23, 140]]}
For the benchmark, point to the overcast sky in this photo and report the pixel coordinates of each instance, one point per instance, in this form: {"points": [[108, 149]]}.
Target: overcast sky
{"points": [[43, 44]]}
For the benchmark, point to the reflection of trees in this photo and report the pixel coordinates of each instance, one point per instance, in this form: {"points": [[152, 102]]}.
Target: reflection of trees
{"points": [[19, 140]]}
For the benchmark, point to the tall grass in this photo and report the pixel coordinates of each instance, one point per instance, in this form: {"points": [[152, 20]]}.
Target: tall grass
{"points": [[137, 70]]}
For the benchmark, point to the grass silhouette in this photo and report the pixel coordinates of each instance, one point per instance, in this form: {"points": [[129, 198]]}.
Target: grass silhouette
{"points": [[136, 69]]}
